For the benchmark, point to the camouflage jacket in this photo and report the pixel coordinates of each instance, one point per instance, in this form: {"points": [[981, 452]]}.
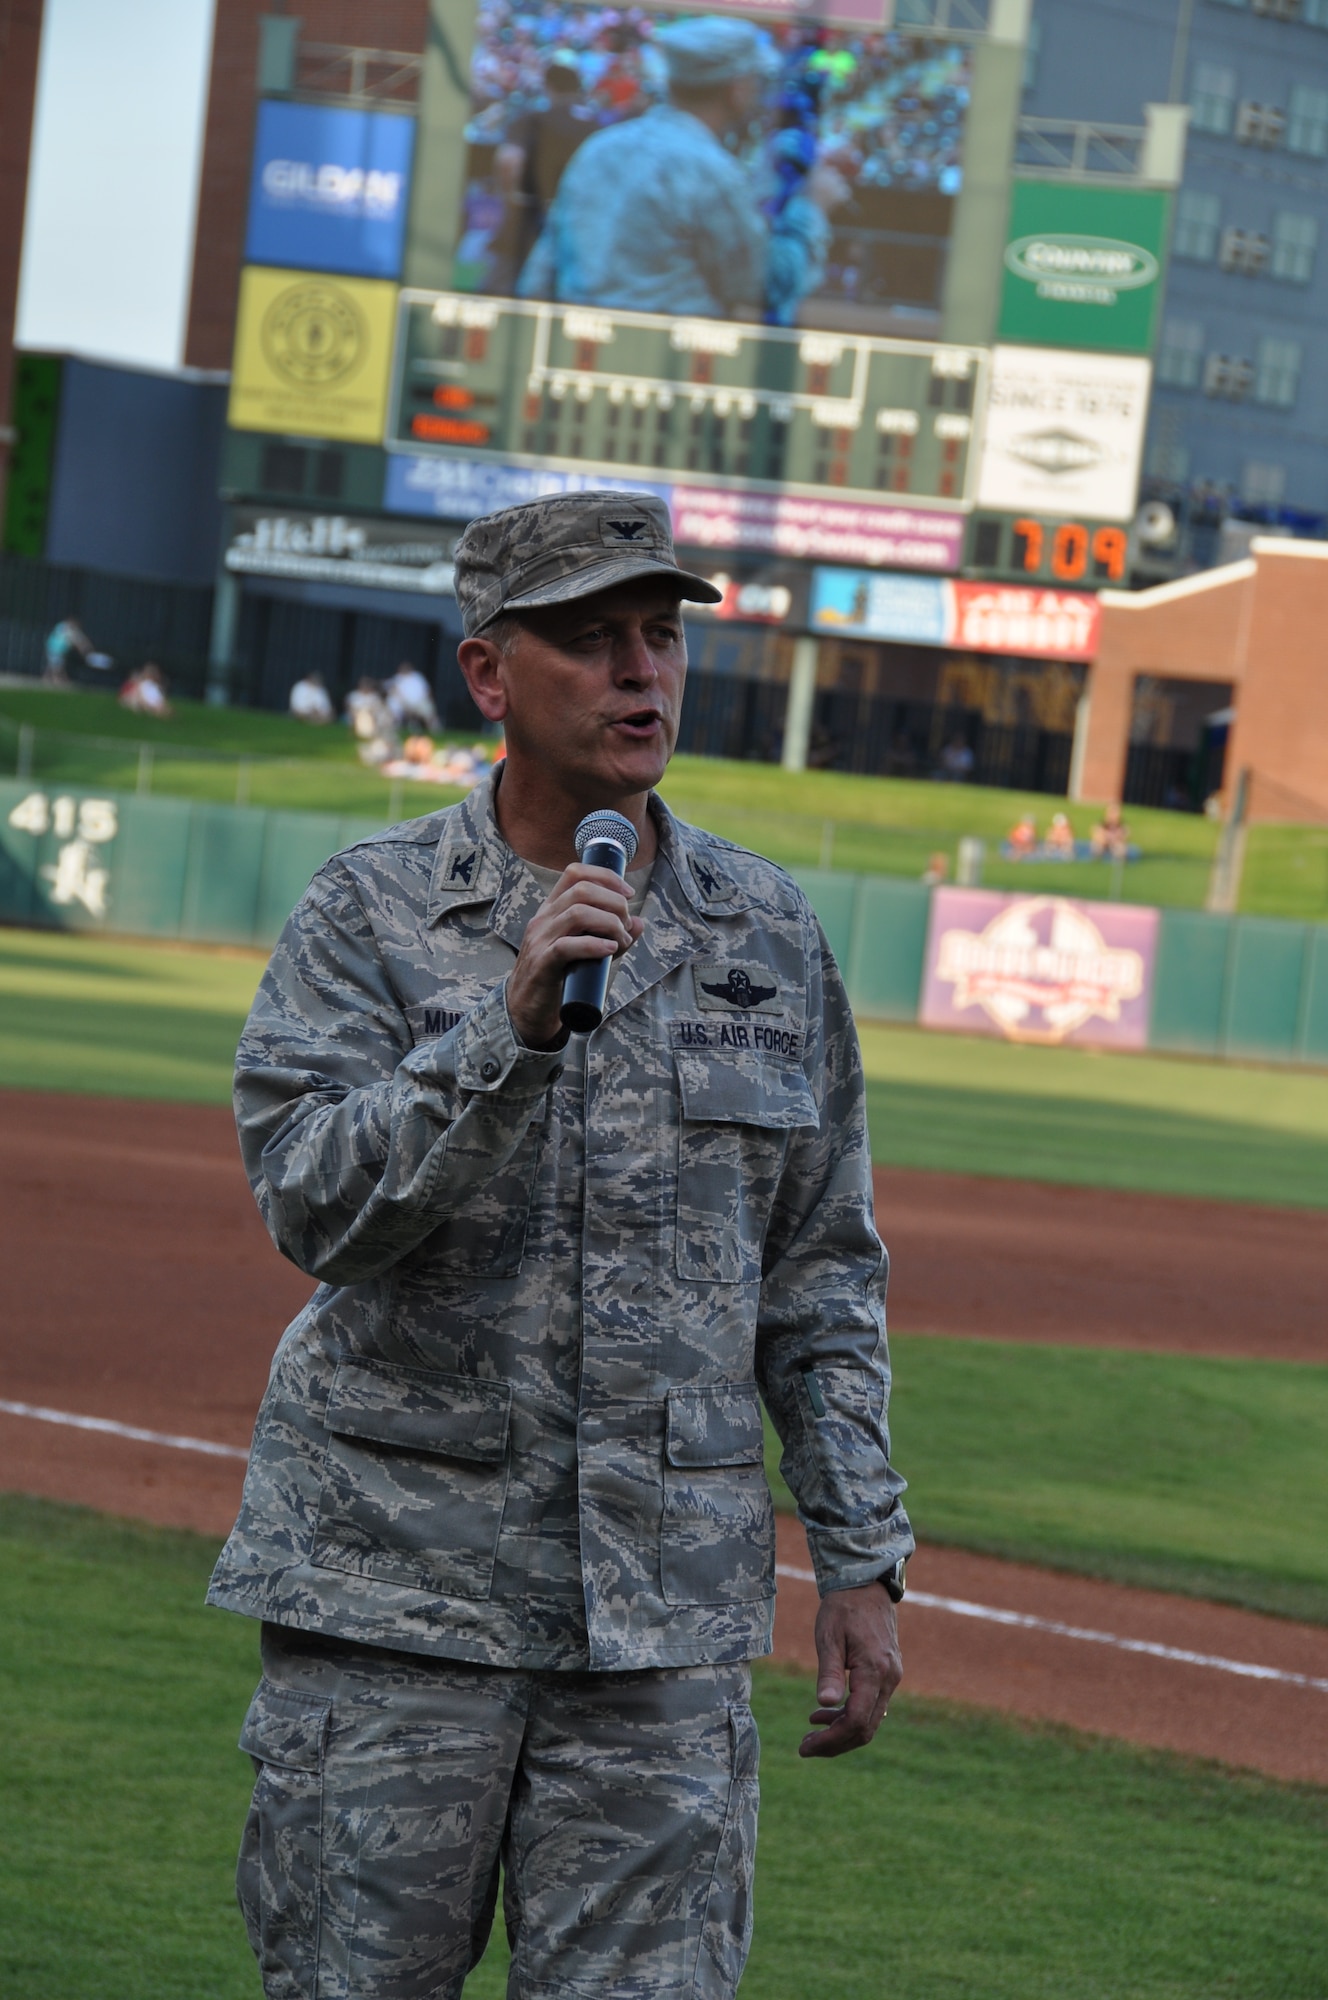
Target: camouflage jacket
{"points": [[518, 1422]]}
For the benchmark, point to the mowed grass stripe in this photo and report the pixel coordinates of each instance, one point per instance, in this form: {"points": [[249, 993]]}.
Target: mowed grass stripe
{"points": [[87, 1014], [101, 1017], [1170, 1471], [966, 1854], [1157, 1124]]}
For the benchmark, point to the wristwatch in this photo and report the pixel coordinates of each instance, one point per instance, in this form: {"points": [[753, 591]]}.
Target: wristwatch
{"points": [[893, 1579]]}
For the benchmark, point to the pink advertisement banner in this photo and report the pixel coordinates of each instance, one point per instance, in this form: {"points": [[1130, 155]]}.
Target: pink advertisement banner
{"points": [[783, 524], [1039, 968]]}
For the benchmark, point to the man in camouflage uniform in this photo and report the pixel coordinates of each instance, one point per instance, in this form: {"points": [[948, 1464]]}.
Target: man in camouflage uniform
{"points": [[506, 1521]]}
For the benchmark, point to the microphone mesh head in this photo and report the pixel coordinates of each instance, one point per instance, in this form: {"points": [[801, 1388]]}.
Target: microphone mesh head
{"points": [[606, 826]]}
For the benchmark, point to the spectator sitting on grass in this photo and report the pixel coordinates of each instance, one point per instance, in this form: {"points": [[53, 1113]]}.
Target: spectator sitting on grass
{"points": [[371, 723], [1059, 843], [410, 699], [1110, 838], [144, 693], [1022, 839], [936, 870], [310, 701]]}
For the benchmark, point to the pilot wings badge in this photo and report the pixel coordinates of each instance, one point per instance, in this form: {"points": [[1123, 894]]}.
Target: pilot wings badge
{"points": [[738, 990]]}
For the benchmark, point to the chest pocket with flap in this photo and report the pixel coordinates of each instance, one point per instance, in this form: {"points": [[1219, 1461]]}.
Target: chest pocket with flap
{"points": [[736, 1118]]}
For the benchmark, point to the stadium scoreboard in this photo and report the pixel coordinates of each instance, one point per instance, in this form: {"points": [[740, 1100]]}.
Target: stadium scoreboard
{"points": [[713, 401]]}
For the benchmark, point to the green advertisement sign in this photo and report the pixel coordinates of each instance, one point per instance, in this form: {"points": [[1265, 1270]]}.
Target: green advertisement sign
{"points": [[1084, 266]]}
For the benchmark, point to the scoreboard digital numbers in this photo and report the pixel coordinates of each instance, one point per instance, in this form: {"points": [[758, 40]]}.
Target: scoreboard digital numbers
{"points": [[1088, 553], [573, 387]]}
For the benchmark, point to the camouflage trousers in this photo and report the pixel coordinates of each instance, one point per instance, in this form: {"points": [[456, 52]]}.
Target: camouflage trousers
{"points": [[391, 1788]]}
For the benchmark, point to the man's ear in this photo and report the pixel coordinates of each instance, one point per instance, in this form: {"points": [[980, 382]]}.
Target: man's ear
{"points": [[481, 663]]}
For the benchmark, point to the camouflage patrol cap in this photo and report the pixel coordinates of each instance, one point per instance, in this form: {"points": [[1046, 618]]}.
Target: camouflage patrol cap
{"points": [[570, 545]]}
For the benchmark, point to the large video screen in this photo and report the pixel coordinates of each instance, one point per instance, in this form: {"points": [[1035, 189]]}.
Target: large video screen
{"points": [[711, 165]]}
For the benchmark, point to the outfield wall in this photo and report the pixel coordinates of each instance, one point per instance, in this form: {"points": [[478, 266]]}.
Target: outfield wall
{"points": [[75, 859]]}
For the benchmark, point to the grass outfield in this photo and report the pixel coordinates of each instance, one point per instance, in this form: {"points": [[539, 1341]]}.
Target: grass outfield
{"points": [[121, 1020], [871, 825], [971, 1856], [1158, 1124], [161, 1021], [1166, 1471]]}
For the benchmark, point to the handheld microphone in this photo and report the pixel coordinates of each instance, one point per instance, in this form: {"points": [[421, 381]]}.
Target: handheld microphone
{"points": [[603, 840]]}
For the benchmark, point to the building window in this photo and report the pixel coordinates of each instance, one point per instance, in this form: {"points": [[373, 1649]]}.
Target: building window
{"points": [[1315, 13], [1243, 250], [1262, 485], [1295, 238], [1259, 124], [1227, 375], [1308, 131], [1180, 355], [1213, 101], [1198, 217], [1277, 375]]}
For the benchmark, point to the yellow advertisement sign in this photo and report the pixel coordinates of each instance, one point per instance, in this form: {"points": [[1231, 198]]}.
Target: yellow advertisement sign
{"points": [[312, 354]]}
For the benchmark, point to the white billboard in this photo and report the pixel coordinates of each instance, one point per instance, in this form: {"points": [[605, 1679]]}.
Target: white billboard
{"points": [[1064, 433]]}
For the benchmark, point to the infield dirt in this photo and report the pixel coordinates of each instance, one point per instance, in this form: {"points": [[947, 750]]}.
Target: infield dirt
{"points": [[141, 1287]]}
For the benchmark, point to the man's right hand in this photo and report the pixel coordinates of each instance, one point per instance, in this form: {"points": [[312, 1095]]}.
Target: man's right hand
{"points": [[585, 917]]}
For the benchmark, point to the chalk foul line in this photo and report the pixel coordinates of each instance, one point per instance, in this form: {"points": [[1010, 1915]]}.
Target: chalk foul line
{"points": [[110, 1429], [925, 1600], [962, 1607]]}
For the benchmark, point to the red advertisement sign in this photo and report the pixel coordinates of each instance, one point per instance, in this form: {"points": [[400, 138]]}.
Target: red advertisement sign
{"points": [[1039, 968], [1012, 618]]}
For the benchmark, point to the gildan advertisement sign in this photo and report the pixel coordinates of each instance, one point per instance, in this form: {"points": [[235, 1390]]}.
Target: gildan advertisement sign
{"points": [[290, 542], [975, 617], [313, 355], [708, 164], [1063, 433], [330, 189], [1083, 266], [1039, 968]]}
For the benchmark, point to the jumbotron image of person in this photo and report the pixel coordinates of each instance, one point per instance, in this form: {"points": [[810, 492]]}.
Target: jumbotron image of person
{"points": [[506, 1522], [655, 215]]}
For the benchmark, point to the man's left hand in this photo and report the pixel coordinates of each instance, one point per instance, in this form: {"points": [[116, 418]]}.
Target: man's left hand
{"points": [[857, 1647]]}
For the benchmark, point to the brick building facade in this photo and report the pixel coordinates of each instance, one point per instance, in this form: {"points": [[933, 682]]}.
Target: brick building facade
{"points": [[1247, 637], [20, 43]]}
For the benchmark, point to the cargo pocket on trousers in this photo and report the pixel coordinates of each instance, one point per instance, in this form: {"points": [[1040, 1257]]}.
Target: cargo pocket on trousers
{"points": [[726, 1933], [279, 1873]]}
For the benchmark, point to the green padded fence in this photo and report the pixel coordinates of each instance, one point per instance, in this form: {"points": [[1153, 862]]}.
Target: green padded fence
{"points": [[151, 867], [1254, 988], [877, 929]]}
